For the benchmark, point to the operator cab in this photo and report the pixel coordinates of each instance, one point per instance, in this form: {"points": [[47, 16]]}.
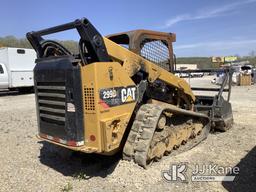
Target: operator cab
{"points": [[151, 45]]}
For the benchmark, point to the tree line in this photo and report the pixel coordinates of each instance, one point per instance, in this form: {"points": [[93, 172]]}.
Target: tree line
{"points": [[202, 62], [11, 41]]}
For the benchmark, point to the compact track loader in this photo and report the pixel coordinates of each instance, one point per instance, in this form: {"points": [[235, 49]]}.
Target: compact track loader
{"points": [[120, 93]]}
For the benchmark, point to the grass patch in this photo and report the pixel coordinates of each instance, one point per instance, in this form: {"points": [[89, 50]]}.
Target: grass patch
{"points": [[80, 176]]}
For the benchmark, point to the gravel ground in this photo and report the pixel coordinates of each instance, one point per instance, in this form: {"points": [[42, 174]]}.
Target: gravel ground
{"points": [[31, 165]]}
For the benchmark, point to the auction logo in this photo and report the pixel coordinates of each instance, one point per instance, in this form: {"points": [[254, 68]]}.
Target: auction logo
{"points": [[211, 172], [175, 173]]}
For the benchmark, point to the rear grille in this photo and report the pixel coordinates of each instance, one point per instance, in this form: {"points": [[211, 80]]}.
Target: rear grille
{"points": [[51, 98], [89, 103]]}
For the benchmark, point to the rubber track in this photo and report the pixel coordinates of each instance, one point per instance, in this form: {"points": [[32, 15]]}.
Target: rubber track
{"points": [[143, 128]]}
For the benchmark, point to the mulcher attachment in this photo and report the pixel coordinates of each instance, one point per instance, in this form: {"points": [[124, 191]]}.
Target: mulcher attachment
{"points": [[218, 109]]}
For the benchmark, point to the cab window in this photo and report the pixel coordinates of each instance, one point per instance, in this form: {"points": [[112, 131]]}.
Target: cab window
{"points": [[156, 51]]}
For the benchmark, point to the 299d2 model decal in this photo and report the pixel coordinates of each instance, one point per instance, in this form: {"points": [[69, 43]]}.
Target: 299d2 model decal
{"points": [[118, 95]]}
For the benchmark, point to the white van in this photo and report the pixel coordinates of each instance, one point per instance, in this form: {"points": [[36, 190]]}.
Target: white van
{"points": [[16, 68]]}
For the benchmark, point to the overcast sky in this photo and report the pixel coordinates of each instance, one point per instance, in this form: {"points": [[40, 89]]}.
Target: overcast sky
{"points": [[203, 27]]}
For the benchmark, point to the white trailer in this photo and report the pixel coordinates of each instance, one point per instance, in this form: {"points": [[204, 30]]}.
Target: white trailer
{"points": [[16, 68]]}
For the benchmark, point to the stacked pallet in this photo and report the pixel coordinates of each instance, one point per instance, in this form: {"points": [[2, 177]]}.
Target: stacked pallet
{"points": [[245, 79]]}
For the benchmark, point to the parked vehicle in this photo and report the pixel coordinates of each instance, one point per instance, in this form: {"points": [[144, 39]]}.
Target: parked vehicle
{"points": [[238, 68], [187, 75], [16, 69], [182, 75], [199, 74]]}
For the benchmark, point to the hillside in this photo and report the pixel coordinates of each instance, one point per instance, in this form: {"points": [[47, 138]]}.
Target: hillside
{"points": [[202, 62]]}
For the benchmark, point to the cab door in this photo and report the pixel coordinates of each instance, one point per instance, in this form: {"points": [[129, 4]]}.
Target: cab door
{"points": [[3, 77]]}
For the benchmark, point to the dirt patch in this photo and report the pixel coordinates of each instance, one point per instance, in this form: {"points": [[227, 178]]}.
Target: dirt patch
{"points": [[31, 165]]}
